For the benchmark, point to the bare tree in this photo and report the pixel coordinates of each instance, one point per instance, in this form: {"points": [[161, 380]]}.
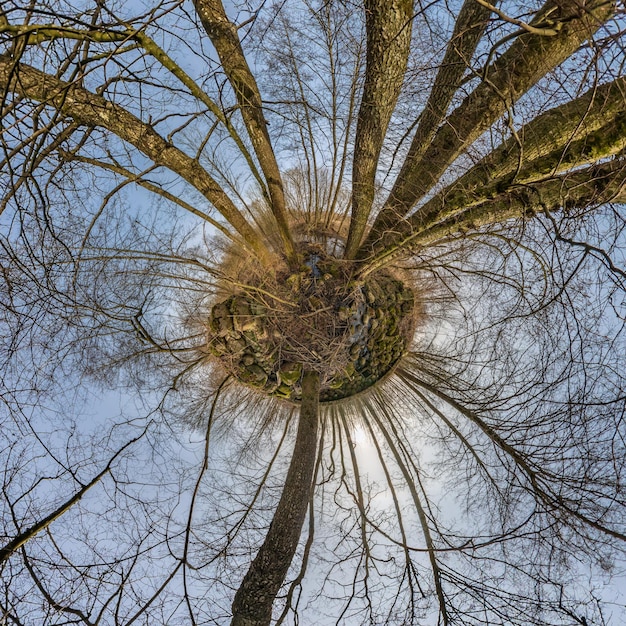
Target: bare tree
{"points": [[347, 282]]}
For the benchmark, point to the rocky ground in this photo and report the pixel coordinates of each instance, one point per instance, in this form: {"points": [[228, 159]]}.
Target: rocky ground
{"points": [[352, 334]]}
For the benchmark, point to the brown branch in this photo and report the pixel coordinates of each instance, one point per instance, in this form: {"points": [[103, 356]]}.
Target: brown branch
{"points": [[549, 30], [584, 130], [34, 34], [593, 185], [91, 109], [57, 606], [26, 535], [223, 35], [528, 59], [34, 162], [38, 33], [138, 179], [419, 507], [532, 474], [468, 30]]}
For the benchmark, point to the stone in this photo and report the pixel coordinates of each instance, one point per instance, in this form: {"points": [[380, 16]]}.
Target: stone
{"points": [[225, 325], [283, 391], [358, 332], [290, 373], [254, 375], [344, 313], [248, 359], [249, 324], [236, 344]]}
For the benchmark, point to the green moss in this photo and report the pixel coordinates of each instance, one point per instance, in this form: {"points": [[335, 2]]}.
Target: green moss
{"points": [[290, 373]]}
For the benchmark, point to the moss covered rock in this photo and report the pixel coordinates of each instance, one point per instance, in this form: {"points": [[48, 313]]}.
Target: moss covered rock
{"points": [[352, 334]]}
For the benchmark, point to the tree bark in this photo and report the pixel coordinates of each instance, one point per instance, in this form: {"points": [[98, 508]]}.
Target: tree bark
{"points": [[576, 133], [388, 25], [223, 35], [468, 30], [581, 131], [528, 59], [33, 34], [592, 185], [254, 598]]}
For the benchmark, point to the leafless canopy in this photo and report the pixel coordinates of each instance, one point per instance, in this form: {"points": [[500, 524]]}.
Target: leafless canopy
{"points": [[156, 155]]}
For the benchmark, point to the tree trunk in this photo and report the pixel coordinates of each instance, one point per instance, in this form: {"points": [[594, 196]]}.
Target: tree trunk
{"points": [[505, 81], [224, 36], [388, 27], [593, 185], [254, 598]]}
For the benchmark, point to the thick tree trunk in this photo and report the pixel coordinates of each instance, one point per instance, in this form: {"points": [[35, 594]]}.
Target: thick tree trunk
{"points": [[388, 25], [254, 598], [506, 80], [579, 132], [573, 134], [589, 186], [468, 30]]}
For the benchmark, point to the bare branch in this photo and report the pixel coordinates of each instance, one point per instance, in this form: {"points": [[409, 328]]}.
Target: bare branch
{"points": [[91, 109], [578, 132], [26, 535], [223, 34], [550, 30]]}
